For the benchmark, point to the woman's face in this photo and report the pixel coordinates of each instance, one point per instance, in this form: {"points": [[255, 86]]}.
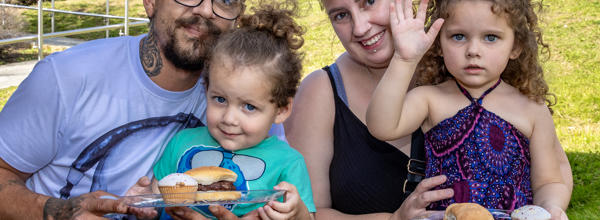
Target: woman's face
{"points": [[363, 28]]}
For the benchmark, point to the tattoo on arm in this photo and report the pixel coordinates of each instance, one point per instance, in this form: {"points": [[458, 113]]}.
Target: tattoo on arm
{"points": [[12, 182], [62, 209], [149, 54]]}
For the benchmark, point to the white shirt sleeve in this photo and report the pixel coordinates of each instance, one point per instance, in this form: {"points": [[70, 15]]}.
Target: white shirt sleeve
{"points": [[30, 121]]}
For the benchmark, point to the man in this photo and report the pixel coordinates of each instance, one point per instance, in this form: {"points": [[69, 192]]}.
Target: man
{"points": [[89, 121]]}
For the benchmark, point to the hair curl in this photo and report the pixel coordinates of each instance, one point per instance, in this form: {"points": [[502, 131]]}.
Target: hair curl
{"points": [[269, 38], [524, 73]]}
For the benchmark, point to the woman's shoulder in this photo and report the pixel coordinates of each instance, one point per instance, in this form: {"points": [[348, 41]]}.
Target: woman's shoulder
{"points": [[315, 83]]}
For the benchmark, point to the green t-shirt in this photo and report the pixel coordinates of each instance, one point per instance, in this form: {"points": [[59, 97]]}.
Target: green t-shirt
{"points": [[260, 167]]}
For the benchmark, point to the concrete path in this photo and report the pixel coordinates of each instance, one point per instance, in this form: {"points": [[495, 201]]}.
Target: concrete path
{"points": [[12, 74]]}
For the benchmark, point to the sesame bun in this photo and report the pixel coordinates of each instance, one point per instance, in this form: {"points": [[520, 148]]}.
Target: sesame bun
{"points": [[218, 195], [210, 174], [467, 211]]}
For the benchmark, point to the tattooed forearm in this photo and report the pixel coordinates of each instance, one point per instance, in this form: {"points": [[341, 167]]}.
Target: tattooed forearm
{"points": [[62, 209], [11, 183], [149, 54]]}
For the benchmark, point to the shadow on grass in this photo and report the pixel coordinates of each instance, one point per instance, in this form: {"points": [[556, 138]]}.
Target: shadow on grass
{"points": [[585, 200]]}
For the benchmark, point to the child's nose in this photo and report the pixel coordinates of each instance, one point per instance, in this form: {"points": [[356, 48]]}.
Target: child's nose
{"points": [[473, 49], [229, 117]]}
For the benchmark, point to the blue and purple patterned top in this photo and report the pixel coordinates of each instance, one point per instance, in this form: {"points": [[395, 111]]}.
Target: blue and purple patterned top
{"points": [[485, 158]]}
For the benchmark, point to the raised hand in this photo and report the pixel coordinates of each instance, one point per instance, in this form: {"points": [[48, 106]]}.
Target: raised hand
{"points": [[410, 39]]}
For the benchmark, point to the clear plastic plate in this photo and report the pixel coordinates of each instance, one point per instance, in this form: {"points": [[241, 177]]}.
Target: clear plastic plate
{"points": [[248, 196]]}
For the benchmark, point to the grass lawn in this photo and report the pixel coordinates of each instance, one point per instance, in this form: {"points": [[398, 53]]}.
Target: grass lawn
{"points": [[572, 71]]}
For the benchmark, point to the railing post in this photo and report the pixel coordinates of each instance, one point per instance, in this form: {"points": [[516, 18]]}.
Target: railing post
{"points": [[126, 17], [3, 13], [107, 20], [52, 18], [40, 31]]}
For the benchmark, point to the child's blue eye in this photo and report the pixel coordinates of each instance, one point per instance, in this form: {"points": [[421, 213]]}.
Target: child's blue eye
{"points": [[219, 99], [491, 37], [370, 2], [458, 37], [249, 107]]}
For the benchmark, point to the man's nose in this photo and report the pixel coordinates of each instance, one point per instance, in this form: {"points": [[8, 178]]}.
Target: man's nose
{"points": [[204, 9]]}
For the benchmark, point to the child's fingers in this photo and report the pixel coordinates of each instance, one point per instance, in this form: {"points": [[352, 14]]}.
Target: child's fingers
{"points": [[272, 214], [422, 10], [281, 207], [395, 12], [408, 10], [263, 215], [435, 29], [288, 187]]}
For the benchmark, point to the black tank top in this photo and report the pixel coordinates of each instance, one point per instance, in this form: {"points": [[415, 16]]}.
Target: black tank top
{"points": [[366, 175]]}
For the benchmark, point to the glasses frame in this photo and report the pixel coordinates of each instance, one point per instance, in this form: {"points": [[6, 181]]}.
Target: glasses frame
{"points": [[212, 7]]}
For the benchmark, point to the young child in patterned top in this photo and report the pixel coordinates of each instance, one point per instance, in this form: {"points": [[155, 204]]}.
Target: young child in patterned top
{"points": [[485, 110]]}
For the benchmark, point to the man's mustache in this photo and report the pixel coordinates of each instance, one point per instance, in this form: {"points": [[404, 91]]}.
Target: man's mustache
{"points": [[198, 21]]}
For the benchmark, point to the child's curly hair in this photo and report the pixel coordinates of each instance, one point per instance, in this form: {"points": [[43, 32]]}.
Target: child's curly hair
{"points": [[269, 38], [524, 73]]}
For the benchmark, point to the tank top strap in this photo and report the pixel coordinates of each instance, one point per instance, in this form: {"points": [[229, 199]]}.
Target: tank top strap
{"points": [[479, 100], [335, 77]]}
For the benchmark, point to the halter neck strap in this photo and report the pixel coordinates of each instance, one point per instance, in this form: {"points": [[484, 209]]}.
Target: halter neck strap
{"points": [[480, 99]]}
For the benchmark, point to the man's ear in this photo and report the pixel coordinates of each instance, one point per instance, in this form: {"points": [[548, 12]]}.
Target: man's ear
{"points": [[284, 112], [515, 52], [150, 6]]}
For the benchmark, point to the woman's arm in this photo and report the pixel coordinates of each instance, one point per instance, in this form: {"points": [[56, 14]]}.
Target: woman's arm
{"points": [[309, 129]]}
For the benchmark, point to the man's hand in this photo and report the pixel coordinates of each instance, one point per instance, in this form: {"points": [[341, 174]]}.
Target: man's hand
{"points": [[86, 206], [140, 188], [220, 212]]}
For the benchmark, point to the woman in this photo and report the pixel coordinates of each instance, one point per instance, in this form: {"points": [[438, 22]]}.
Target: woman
{"points": [[354, 175]]}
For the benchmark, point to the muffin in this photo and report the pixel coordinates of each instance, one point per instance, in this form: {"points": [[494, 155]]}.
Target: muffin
{"points": [[530, 212], [178, 188]]}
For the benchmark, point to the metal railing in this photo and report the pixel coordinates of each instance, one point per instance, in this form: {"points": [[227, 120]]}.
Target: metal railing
{"points": [[40, 36]]}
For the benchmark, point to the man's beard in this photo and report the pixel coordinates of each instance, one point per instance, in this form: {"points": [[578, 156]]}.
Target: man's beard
{"points": [[191, 59]]}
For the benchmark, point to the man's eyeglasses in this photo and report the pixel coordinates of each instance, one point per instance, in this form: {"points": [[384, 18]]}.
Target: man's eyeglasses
{"points": [[226, 9]]}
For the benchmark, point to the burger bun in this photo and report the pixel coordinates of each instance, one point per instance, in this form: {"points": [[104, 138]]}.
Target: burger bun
{"points": [[211, 174], [208, 196]]}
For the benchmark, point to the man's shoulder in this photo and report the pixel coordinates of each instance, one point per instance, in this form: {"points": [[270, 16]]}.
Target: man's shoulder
{"points": [[96, 49]]}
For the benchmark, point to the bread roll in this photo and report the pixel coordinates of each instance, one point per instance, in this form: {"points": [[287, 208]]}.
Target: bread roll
{"points": [[467, 211]]}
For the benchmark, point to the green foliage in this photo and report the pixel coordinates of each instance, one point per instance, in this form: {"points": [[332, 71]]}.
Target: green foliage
{"points": [[5, 94], [64, 22], [572, 73]]}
